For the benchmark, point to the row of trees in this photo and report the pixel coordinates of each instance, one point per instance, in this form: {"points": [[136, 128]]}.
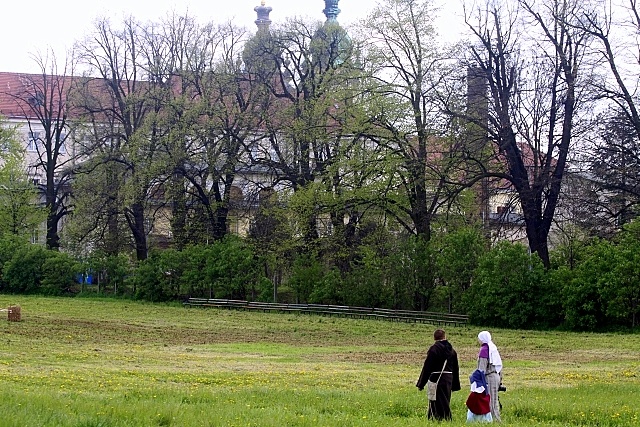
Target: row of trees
{"points": [[590, 286], [376, 133]]}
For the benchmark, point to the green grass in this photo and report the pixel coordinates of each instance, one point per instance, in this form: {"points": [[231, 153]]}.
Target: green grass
{"points": [[101, 362]]}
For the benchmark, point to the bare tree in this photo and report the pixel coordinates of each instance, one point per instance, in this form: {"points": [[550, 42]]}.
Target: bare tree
{"points": [[613, 158], [227, 111], [535, 70], [122, 100], [44, 101], [618, 47]]}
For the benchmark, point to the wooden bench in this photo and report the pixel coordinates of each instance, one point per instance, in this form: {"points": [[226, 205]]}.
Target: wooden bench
{"points": [[216, 303]]}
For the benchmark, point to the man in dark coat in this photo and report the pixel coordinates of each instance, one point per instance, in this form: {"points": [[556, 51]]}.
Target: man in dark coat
{"points": [[440, 351]]}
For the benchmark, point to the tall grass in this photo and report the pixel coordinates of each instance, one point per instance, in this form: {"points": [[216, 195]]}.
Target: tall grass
{"points": [[95, 362]]}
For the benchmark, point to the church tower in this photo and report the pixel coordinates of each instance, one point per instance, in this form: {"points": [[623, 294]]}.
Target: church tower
{"points": [[257, 54], [331, 44], [263, 22], [331, 10]]}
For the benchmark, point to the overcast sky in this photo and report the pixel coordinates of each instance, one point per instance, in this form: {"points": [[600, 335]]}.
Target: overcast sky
{"points": [[30, 27]]}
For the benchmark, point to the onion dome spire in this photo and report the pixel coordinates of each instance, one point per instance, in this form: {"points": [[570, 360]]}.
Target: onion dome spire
{"points": [[256, 54], [263, 20], [331, 10]]}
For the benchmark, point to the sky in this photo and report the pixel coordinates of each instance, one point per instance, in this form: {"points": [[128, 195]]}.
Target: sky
{"points": [[37, 27]]}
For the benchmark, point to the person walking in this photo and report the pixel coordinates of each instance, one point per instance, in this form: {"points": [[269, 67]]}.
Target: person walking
{"points": [[440, 367], [490, 362]]}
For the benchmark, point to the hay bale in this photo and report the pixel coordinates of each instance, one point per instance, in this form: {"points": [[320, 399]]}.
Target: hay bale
{"points": [[13, 313]]}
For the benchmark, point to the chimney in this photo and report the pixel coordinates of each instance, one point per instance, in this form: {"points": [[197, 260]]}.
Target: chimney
{"points": [[477, 138], [477, 102]]}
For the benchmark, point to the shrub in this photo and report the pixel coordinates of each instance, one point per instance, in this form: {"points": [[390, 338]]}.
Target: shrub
{"points": [[109, 270], [23, 272], [34, 269], [306, 272], [225, 269], [193, 281], [232, 269], [410, 272], [583, 306], [456, 261], [512, 290], [58, 273], [604, 289], [622, 291], [367, 285], [9, 246], [328, 289], [146, 280]]}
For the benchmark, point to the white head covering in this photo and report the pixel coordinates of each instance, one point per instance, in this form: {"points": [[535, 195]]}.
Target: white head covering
{"points": [[494, 355], [475, 388]]}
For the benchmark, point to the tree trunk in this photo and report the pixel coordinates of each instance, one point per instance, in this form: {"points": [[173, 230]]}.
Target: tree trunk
{"points": [[112, 242], [137, 225], [178, 212], [53, 239]]}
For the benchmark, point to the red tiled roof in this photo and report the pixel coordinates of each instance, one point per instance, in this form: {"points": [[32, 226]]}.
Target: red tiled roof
{"points": [[17, 90]]}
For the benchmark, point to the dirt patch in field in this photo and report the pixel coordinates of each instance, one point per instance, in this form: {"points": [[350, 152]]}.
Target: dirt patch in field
{"points": [[394, 358], [102, 332], [575, 356], [308, 333], [468, 356]]}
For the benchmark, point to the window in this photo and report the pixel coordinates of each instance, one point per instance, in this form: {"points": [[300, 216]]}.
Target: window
{"points": [[35, 236], [32, 144], [63, 148], [37, 100], [233, 225]]}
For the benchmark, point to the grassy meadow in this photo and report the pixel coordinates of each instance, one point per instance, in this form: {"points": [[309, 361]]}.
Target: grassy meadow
{"points": [[106, 363]]}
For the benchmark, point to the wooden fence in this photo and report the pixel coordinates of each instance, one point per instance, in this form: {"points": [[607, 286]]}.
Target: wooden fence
{"points": [[434, 318]]}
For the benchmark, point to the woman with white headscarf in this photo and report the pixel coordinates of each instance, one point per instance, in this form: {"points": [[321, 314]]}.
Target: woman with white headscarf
{"points": [[490, 362]]}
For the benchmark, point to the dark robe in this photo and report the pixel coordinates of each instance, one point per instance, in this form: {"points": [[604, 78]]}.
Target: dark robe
{"points": [[440, 351]]}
